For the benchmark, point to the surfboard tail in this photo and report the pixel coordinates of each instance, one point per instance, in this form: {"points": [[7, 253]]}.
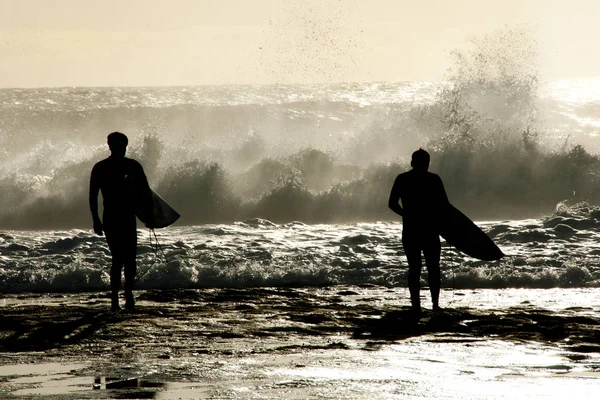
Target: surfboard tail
{"points": [[163, 214], [460, 232]]}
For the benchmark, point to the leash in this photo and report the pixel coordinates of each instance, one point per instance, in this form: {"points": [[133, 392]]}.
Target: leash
{"points": [[453, 285], [157, 256]]}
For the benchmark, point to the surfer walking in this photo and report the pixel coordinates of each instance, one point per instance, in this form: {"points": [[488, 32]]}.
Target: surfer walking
{"points": [[124, 187], [424, 200]]}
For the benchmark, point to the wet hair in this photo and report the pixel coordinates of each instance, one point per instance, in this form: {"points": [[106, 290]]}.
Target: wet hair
{"points": [[420, 159], [117, 140]]}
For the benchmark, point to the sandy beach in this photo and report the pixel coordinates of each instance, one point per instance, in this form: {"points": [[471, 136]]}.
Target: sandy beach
{"points": [[346, 342]]}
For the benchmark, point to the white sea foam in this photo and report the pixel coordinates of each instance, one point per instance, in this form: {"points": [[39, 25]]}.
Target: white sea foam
{"points": [[558, 251], [314, 154]]}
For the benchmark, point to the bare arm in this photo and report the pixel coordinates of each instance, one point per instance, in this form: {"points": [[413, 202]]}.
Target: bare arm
{"points": [[93, 199], [393, 202]]}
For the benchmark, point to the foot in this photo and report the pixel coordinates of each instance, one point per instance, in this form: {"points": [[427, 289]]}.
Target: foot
{"points": [[114, 304], [416, 311], [437, 308], [130, 303]]}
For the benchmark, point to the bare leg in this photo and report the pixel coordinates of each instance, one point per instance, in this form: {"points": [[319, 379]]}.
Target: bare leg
{"points": [[115, 283], [121, 236], [130, 271], [413, 256]]}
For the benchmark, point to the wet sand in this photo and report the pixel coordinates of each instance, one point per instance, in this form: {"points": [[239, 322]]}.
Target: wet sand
{"points": [[207, 343]]}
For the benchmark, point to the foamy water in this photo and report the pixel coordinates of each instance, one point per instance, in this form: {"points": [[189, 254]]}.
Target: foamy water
{"points": [[562, 250], [314, 163]]}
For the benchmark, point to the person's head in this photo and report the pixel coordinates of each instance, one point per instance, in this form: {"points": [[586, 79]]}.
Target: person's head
{"points": [[117, 143], [420, 160]]}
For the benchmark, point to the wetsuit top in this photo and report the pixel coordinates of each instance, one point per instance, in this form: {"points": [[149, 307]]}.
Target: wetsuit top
{"points": [[123, 183], [423, 199]]}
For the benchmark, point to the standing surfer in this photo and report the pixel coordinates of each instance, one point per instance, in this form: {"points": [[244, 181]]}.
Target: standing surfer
{"points": [[424, 201], [124, 188]]}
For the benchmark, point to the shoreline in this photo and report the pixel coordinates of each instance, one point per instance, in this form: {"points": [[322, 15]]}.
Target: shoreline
{"points": [[182, 340]]}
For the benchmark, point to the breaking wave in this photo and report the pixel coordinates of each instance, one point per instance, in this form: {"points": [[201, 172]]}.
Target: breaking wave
{"points": [[560, 250], [313, 153]]}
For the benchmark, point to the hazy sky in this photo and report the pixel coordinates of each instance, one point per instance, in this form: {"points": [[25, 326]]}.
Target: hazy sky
{"points": [[196, 42]]}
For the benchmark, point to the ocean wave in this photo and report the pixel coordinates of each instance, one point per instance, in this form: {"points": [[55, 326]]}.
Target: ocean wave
{"points": [[259, 253], [312, 186], [309, 153]]}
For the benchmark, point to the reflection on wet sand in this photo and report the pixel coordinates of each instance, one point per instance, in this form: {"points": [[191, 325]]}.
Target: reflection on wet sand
{"points": [[218, 339]]}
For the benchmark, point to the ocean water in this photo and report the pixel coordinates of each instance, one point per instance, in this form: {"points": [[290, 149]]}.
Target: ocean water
{"points": [[559, 251], [287, 185], [316, 154]]}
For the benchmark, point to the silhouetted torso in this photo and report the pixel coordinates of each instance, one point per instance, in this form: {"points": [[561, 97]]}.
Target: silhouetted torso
{"points": [[423, 199], [118, 180]]}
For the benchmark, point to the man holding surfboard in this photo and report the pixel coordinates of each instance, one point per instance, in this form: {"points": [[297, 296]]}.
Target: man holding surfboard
{"points": [[124, 189], [424, 203]]}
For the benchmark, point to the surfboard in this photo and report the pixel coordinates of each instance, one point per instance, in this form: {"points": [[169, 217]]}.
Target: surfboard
{"points": [[459, 231], [164, 214]]}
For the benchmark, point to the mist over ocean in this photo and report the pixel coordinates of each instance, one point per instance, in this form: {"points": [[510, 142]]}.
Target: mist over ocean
{"points": [[288, 185], [318, 154]]}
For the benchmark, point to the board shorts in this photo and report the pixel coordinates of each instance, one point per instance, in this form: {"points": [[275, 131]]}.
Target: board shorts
{"points": [[121, 236]]}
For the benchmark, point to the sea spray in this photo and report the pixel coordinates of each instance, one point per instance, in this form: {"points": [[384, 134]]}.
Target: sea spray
{"points": [[324, 153]]}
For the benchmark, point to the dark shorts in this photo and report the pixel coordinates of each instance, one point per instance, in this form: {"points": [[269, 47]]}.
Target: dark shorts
{"points": [[416, 242], [121, 236]]}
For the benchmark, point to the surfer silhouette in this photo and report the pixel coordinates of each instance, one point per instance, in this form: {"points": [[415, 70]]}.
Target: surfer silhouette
{"points": [[124, 188], [424, 201]]}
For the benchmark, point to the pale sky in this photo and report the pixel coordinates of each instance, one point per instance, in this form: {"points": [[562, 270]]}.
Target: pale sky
{"points": [[47, 43]]}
